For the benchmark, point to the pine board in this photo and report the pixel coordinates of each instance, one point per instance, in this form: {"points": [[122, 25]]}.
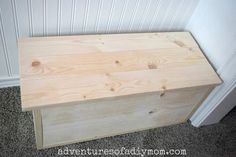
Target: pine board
{"points": [[65, 70]]}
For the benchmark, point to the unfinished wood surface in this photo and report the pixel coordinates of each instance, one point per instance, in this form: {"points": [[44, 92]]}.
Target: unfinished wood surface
{"points": [[65, 70], [108, 117], [38, 128]]}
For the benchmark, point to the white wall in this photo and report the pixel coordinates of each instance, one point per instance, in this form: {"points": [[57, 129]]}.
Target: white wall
{"points": [[213, 25], [24, 18]]}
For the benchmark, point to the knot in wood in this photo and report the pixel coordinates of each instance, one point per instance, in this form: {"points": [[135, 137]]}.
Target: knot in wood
{"points": [[35, 63]]}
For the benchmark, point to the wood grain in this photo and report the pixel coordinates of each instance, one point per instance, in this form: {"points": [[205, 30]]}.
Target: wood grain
{"points": [[38, 128], [64, 70], [108, 117]]}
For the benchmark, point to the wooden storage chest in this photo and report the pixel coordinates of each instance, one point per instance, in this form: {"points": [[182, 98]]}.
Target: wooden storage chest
{"points": [[91, 86]]}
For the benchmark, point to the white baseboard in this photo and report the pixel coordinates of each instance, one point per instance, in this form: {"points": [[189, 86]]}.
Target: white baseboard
{"points": [[211, 103], [9, 82], [210, 107]]}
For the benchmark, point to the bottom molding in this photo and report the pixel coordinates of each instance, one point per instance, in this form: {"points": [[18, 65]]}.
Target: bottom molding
{"points": [[9, 82], [211, 103]]}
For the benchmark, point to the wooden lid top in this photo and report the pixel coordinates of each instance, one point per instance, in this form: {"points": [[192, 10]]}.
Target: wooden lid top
{"points": [[69, 69]]}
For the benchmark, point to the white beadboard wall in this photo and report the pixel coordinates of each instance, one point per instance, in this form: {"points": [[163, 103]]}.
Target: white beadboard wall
{"points": [[29, 18]]}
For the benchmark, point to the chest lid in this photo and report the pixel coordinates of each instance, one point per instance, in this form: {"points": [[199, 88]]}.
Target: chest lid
{"points": [[68, 69]]}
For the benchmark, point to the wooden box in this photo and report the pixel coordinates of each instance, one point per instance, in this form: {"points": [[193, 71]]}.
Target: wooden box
{"points": [[86, 87]]}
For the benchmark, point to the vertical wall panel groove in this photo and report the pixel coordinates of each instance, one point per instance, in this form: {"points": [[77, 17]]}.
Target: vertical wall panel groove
{"points": [[110, 16], [179, 14], [188, 13], [134, 15], [184, 14], [122, 15], [145, 15], [159, 21], [30, 14], [5, 49], [154, 16], [180, 3], [172, 13], [15, 18], [87, 6], [99, 16], [72, 17], [165, 16], [98, 12], [44, 18], [59, 16]]}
